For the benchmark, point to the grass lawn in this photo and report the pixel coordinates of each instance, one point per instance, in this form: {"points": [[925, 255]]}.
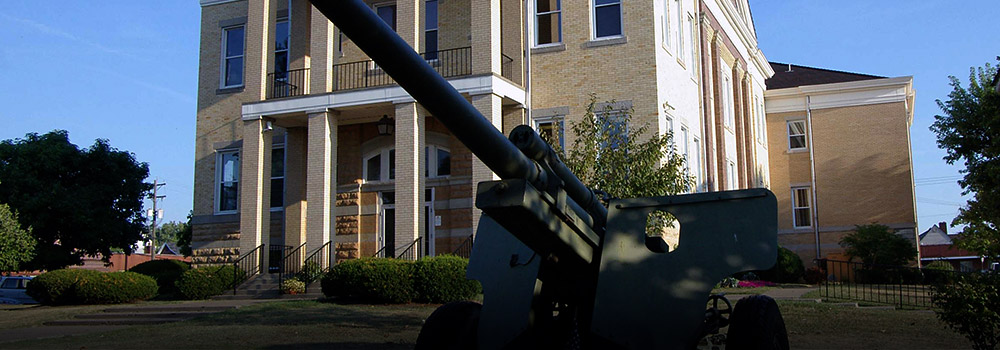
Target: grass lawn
{"points": [[310, 324], [23, 316]]}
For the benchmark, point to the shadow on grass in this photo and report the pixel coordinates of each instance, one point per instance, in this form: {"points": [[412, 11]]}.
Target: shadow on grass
{"points": [[292, 313], [338, 346]]}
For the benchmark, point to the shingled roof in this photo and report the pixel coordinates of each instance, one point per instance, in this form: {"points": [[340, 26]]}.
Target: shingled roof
{"points": [[790, 75]]}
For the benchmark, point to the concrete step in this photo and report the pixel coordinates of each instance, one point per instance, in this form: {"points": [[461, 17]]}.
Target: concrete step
{"points": [[111, 322], [143, 315]]}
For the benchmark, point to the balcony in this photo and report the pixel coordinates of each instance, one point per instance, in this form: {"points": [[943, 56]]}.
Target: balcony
{"points": [[449, 63], [288, 84]]}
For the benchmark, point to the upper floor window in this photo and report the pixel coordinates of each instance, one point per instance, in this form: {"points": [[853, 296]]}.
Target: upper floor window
{"points": [[666, 23], [801, 203], [232, 56], [729, 116], [684, 149], [796, 135], [696, 160], [387, 12], [761, 121], [278, 178], [227, 181], [614, 126], [607, 18], [731, 175], [548, 22], [438, 161], [281, 48], [678, 10], [431, 29], [692, 32], [552, 129]]}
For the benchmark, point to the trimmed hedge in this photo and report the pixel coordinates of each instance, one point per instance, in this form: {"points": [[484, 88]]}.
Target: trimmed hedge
{"points": [[376, 280], [204, 282], [77, 286], [372, 280], [165, 272], [115, 288], [442, 280]]}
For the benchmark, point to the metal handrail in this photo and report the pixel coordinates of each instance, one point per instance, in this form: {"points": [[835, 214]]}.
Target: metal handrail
{"points": [[380, 252], [287, 267], [320, 256], [464, 249], [507, 67], [288, 83], [409, 253], [364, 74], [250, 264]]}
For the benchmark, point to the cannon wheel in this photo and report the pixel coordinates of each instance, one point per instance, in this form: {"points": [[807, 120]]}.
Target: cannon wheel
{"points": [[452, 326], [756, 323]]}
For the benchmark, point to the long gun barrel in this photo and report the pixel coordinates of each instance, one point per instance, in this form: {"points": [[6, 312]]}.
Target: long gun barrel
{"points": [[437, 96]]}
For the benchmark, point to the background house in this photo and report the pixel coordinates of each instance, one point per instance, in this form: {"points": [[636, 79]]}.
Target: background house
{"points": [[936, 244]]}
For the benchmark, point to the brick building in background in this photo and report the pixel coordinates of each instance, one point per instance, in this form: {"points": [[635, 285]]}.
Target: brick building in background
{"points": [[839, 155], [304, 145]]}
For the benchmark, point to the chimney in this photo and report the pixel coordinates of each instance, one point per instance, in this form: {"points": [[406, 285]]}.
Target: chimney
{"points": [[943, 226]]}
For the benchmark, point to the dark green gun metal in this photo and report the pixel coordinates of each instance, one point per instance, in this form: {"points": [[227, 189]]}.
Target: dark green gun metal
{"points": [[559, 269]]}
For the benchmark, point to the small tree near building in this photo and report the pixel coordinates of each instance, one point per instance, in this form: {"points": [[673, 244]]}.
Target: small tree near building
{"points": [[877, 244], [17, 245]]}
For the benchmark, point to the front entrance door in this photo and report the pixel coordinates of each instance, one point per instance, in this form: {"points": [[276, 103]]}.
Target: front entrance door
{"points": [[387, 234], [428, 241]]}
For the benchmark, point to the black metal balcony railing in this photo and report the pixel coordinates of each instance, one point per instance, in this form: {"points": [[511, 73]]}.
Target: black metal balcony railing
{"points": [[507, 67], [287, 84], [365, 74]]}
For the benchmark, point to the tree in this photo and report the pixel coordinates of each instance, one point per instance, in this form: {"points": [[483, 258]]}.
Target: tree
{"points": [[77, 201], [17, 246], [876, 244], [968, 131], [178, 233]]}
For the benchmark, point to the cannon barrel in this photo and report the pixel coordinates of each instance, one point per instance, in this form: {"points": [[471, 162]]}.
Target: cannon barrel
{"points": [[435, 94]]}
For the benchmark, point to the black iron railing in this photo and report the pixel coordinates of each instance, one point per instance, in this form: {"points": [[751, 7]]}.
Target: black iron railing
{"points": [[287, 84], [365, 74], [291, 263], [248, 266], [901, 286], [274, 255], [464, 249], [413, 251], [321, 260], [383, 253], [507, 67]]}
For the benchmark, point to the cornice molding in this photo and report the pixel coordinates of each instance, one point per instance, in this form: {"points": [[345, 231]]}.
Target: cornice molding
{"points": [[215, 2], [855, 93]]}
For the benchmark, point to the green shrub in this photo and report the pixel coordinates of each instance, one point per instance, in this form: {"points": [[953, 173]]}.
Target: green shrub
{"points": [[970, 305], [371, 279], [165, 272], [115, 288], [205, 282], [939, 265], [311, 272], [76, 286], [57, 287], [293, 286], [442, 280], [787, 269]]}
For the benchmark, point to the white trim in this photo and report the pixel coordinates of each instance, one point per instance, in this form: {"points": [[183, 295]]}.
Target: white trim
{"points": [[593, 21], [476, 85], [854, 93], [796, 206], [217, 179], [215, 2], [223, 58], [788, 133], [553, 119], [535, 14]]}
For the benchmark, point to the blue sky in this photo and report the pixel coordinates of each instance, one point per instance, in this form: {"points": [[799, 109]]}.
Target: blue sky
{"points": [[127, 71]]}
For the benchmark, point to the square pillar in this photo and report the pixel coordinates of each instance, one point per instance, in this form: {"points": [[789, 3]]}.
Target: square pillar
{"points": [[255, 187], [321, 177], [409, 175], [321, 52], [490, 106], [410, 22], [485, 31], [295, 186], [259, 56]]}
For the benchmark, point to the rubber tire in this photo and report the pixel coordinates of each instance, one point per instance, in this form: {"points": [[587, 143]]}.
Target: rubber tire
{"points": [[453, 326], [756, 323]]}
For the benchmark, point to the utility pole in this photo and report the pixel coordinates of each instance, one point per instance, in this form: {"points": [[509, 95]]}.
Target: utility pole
{"points": [[152, 235]]}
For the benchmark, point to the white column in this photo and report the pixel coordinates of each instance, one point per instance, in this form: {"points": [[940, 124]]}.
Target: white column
{"points": [[490, 106], [255, 186], [409, 174], [321, 176]]}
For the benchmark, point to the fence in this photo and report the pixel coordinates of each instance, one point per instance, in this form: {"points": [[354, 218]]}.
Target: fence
{"points": [[900, 286], [365, 74], [248, 265], [288, 84], [464, 249]]}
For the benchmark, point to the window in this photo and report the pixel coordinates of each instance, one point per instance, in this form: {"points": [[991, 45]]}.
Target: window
{"points": [[762, 121], [796, 135], [666, 23], [680, 29], [693, 30], [232, 57], [278, 178], [684, 149], [281, 49], [548, 22], [438, 161], [729, 117], [731, 175], [697, 164], [227, 175], [431, 30], [387, 12], [607, 18], [551, 129], [613, 125], [800, 207], [373, 168]]}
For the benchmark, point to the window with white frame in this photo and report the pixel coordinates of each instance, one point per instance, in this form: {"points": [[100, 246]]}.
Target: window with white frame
{"points": [[232, 56], [692, 36], [731, 175], [227, 181], [548, 22], [796, 135], [696, 160], [438, 161], [679, 24], [684, 149], [666, 23], [729, 116], [614, 125], [380, 165], [387, 12], [762, 121], [552, 129], [801, 203], [607, 18], [281, 35], [278, 178], [431, 29]]}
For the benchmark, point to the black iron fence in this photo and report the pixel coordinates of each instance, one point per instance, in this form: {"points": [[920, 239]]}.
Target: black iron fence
{"points": [[288, 84], [291, 263], [365, 74], [464, 249], [901, 286], [319, 262], [507, 67], [413, 251], [248, 266]]}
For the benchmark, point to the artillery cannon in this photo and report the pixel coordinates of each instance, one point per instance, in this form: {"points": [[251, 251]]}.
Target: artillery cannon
{"points": [[561, 270]]}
